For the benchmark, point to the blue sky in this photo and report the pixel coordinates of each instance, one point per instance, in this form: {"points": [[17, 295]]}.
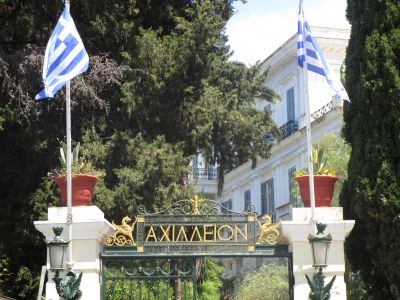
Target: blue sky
{"points": [[260, 26]]}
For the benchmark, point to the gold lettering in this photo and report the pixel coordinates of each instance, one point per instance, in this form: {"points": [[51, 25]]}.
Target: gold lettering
{"points": [[243, 234], [182, 230], [165, 233], [199, 233], [206, 232], [151, 234], [222, 228], [196, 229]]}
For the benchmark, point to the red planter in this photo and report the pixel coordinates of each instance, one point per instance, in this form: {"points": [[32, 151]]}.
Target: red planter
{"points": [[82, 189], [323, 188]]}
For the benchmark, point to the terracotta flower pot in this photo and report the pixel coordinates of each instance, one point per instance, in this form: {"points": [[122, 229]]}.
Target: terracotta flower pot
{"points": [[82, 189], [323, 188]]}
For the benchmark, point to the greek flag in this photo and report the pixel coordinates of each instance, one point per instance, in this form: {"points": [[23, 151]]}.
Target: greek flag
{"points": [[65, 56], [308, 51]]}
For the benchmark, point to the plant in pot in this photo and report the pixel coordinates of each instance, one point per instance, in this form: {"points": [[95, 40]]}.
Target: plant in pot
{"points": [[84, 178], [324, 180]]}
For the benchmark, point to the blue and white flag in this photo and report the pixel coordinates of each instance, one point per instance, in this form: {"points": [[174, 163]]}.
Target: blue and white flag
{"points": [[309, 51], [65, 56]]}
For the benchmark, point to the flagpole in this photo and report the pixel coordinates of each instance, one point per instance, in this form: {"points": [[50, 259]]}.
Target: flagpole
{"points": [[61, 58], [308, 125], [69, 171], [69, 165]]}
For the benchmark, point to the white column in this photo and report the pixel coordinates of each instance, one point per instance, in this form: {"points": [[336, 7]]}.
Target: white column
{"points": [[277, 184], [236, 201], [297, 232], [89, 229], [255, 192]]}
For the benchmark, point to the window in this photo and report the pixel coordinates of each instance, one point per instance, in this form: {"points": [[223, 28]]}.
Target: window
{"points": [[290, 104], [195, 160], [292, 186], [247, 199], [227, 206], [263, 198], [267, 197], [211, 172]]}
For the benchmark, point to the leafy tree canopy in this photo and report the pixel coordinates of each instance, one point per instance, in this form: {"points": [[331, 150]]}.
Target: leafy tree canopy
{"points": [[270, 281]]}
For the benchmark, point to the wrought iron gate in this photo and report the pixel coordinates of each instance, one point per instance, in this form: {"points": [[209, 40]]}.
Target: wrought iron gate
{"points": [[156, 255], [151, 278]]}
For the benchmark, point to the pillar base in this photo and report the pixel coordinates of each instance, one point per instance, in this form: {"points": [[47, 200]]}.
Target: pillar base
{"points": [[89, 230], [297, 232]]}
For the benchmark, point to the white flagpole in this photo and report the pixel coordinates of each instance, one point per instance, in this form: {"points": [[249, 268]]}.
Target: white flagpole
{"points": [[69, 171], [69, 165], [308, 123]]}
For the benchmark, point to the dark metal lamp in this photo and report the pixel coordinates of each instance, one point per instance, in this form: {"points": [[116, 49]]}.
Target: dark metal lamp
{"points": [[57, 249], [320, 246], [320, 243], [68, 288]]}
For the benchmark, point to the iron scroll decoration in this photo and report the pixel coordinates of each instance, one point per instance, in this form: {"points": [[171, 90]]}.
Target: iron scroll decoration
{"points": [[124, 234], [196, 206]]}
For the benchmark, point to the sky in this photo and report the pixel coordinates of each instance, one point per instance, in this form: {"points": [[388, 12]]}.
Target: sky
{"points": [[259, 27]]}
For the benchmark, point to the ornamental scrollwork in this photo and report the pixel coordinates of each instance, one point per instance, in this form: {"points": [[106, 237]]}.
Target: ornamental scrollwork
{"points": [[149, 267], [195, 206], [123, 234]]}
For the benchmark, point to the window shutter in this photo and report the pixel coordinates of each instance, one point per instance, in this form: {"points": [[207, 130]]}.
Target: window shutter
{"points": [[290, 104]]}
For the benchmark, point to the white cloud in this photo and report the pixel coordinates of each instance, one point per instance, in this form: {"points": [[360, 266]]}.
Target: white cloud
{"points": [[255, 35]]}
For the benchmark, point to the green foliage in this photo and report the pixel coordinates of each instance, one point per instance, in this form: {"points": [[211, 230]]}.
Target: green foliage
{"points": [[333, 161], [371, 195], [143, 173], [320, 166], [209, 289], [268, 282], [151, 290], [79, 165], [337, 155], [355, 286]]}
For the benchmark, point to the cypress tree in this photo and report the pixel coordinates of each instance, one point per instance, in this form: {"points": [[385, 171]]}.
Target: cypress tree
{"points": [[371, 194]]}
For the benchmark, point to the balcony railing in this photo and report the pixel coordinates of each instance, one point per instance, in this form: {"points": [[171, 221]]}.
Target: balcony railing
{"points": [[289, 128], [322, 111], [285, 130], [205, 173]]}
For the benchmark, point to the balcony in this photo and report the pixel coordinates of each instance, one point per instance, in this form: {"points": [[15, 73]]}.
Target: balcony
{"points": [[322, 111], [288, 129], [205, 173], [285, 130]]}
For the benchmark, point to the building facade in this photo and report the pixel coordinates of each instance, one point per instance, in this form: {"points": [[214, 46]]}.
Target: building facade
{"points": [[270, 186]]}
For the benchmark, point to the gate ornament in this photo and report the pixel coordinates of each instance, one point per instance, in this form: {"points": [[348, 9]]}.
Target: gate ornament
{"points": [[196, 204], [199, 225], [268, 232], [123, 234]]}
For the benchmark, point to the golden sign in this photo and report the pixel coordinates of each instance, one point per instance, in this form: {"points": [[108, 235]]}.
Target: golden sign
{"points": [[193, 224], [196, 233]]}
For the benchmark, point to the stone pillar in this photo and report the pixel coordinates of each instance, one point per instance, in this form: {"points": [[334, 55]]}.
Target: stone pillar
{"points": [[297, 232], [89, 229]]}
